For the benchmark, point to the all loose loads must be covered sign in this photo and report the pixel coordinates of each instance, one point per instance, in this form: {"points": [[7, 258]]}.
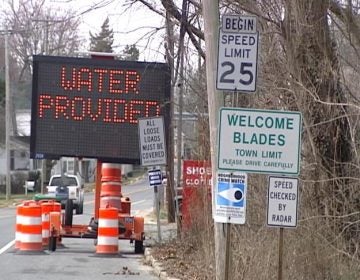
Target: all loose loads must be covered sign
{"points": [[152, 141], [259, 141]]}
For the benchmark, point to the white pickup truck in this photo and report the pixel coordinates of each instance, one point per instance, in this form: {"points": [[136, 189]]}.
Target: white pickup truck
{"points": [[65, 189]]}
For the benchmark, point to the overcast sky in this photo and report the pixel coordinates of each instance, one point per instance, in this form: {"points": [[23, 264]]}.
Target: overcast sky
{"points": [[131, 25]]}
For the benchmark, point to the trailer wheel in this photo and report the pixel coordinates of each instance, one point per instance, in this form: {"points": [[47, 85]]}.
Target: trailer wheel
{"points": [[69, 205], [139, 247], [52, 243], [80, 208]]}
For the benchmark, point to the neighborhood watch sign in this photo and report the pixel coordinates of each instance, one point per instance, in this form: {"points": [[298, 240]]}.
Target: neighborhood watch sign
{"points": [[259, 141]]}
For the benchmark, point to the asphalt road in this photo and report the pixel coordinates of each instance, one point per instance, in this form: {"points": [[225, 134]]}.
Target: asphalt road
{"points": [[77, 258]]}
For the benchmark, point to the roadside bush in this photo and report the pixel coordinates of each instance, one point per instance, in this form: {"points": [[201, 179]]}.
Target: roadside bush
{"points": [[18, 179]]}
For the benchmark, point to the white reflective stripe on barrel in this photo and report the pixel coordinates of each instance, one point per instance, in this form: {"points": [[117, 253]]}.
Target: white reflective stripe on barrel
{"points": [[19, 219], [110, 197], [45, 217], [45, 233], [18, 236], [108, 223], [31, 238], [105, 240], [31, 220], [111, 165], [111, 183]]}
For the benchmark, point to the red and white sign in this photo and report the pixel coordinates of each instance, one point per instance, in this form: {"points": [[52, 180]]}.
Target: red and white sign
{"points": [[196, 182], [196, 173]]}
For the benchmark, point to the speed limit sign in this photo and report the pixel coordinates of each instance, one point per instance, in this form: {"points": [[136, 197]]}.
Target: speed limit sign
{"points": [[238, 54]]}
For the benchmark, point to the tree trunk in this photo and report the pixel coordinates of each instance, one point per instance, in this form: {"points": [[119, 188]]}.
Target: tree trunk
{"points": [[314, 70]]}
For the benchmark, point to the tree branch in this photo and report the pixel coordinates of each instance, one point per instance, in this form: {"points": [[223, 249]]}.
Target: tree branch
{"points": [[347, 17], [171, 8]]}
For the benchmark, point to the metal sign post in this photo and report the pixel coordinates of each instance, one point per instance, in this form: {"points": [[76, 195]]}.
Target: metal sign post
{"points": [[282, 209], [157, 212], [155, 181], [228, 251], [281, 245], [230, 207]]}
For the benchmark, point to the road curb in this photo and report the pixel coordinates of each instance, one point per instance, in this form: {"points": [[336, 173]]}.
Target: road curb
{"points": [[158, 270]]}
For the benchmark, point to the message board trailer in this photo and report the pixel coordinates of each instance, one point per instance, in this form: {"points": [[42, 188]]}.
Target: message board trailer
{"points": [[230, 197], [84, 107], [283, 197], [259, 141]]}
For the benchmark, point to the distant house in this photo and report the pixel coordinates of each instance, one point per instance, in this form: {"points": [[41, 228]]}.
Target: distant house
{"points": [[20, 155], [19, 145]]}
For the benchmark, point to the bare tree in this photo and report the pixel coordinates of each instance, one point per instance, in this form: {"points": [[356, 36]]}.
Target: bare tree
{"points": [[309, 61], [38, 29]]}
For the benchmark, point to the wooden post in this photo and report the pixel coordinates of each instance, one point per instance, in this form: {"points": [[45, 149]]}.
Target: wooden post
{"points": [[215, 101], [170, 188], [281, 244], [7, 116], [228, 251]]}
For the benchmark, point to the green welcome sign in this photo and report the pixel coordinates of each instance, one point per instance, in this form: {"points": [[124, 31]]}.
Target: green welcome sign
{"points": [[259, 141]]}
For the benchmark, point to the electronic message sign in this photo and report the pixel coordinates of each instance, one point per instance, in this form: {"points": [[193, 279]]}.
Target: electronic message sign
{"points": [[84, 107]]}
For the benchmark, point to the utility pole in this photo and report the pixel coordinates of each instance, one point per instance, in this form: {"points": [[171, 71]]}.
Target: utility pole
{"points": [[46, 51], [7, 116], [170, 188], [215, 101], [179, 131], [45, 162], [180, 85]]}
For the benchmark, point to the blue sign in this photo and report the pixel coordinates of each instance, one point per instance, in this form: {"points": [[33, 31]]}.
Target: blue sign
{"points": [[230, 193], [155, 177]]}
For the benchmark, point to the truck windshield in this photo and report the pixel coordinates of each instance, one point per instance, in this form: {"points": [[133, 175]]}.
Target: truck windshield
{"points": [[63, 181]]}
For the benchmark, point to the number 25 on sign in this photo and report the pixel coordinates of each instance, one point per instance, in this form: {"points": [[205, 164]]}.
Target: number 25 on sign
{"points": [[238, 53]]}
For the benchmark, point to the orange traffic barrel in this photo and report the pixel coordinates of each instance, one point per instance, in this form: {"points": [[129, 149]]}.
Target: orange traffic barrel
{"points": [[110, 172], [55, 226], [18, 226], [55, 222], [46, 208], [31, 227], [110, 188], [138, 225], [110, 194], [138, 234], [108, 231]]}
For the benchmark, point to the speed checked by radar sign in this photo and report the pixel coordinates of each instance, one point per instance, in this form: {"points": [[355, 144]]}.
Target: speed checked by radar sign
{"points": [[282, 202], [238, 54]]}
